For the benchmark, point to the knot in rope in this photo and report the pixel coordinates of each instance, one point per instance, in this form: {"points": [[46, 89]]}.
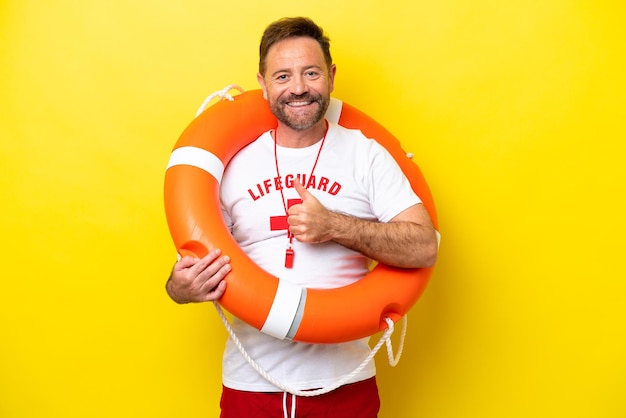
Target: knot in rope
{"points": [[222, 94]]}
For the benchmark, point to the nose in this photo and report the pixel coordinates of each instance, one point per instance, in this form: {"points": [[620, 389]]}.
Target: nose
{"points": [[298, 85]]}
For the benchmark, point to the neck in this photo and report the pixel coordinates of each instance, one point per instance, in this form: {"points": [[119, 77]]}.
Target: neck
{"points": [[290, 138]]}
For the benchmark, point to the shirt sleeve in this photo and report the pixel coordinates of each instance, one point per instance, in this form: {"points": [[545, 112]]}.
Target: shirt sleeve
{"points": [[390, 191]]}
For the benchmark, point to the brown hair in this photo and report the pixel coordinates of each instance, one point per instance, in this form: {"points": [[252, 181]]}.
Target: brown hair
{"points": [[291, 27]]}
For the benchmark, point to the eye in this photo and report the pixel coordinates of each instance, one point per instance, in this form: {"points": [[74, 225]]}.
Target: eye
{"points": [[282, 77], [311, 74]]}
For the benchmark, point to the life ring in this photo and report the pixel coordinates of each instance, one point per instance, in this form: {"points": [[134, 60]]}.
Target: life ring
{"points": [[253, 295]]}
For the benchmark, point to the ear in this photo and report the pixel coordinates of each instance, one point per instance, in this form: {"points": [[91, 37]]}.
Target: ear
{"points": [[331, 78], [261, 81]]}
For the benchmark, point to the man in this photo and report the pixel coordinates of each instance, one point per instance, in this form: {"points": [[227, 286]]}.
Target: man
{"points": [[363, 210]]}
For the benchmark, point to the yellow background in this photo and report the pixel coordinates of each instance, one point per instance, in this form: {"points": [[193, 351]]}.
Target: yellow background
{"points": [[515, 111]]}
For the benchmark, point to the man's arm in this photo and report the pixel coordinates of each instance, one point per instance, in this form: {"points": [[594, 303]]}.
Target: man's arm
{"points": [[408, 240]]}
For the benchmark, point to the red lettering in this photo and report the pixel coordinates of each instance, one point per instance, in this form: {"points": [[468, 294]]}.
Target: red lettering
{"points": [[323, 183], [254, 197], [289, 181], [278, 184]]}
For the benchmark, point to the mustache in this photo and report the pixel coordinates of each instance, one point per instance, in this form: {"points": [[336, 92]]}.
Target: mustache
{"points": [[306, 97]]}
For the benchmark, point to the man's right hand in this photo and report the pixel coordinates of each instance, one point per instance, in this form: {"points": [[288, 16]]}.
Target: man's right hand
{"points": [[198, 279]]}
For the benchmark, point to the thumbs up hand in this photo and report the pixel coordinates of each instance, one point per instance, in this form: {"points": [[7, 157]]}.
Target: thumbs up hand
{"points": [[308, 221]]}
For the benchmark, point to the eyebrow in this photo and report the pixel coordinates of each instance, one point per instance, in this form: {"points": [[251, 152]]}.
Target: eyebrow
{"points": [[309, 67]]}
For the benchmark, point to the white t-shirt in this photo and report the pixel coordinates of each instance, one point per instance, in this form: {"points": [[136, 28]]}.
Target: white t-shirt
{"points": [[354, 175]]}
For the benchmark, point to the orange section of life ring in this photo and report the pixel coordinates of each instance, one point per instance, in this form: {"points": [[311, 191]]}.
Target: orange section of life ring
{"points": [[194, 217]]}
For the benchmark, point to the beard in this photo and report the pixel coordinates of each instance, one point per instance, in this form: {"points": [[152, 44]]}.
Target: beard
{"points": [[300, 121]]}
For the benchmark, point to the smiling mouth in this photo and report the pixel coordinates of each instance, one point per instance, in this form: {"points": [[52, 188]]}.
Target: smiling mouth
{"points": [[299, 103]]}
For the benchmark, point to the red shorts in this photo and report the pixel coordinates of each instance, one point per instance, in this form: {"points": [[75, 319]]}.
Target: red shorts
{"points": [[356, 400]]}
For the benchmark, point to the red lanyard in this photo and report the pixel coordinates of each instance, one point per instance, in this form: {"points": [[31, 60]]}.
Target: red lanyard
{"points": [[289, 252]]}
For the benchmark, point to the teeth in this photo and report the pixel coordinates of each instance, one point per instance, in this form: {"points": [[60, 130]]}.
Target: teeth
{"points": [[298, 103]]}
